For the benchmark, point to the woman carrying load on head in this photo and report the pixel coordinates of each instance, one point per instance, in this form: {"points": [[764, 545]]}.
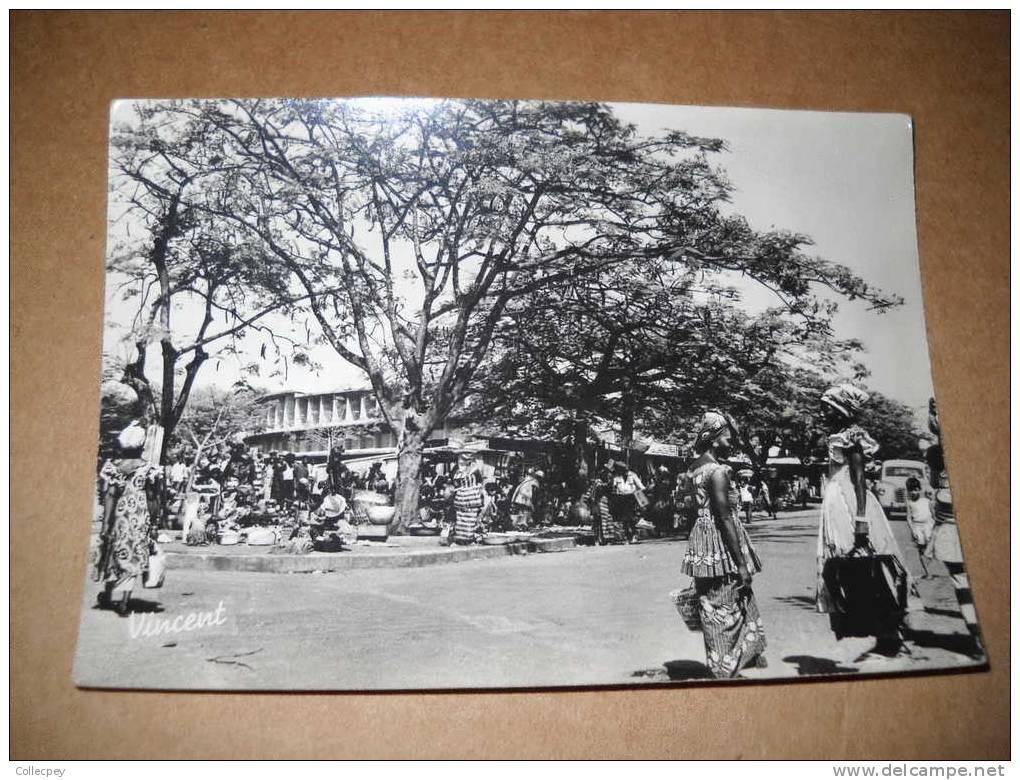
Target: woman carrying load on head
{"points": [[130, 491], [851, 518], [721, 559]]}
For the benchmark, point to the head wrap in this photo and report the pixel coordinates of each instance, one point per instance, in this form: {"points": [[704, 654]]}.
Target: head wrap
{"points": [[845, 399], [712, 424], [132, 437]]}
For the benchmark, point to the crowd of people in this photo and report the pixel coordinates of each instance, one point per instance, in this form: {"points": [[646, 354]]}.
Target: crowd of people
{"points": [[858, 558]]}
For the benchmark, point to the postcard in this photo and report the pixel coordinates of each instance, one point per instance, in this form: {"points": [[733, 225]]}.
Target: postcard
{"points": [[405, 393]]}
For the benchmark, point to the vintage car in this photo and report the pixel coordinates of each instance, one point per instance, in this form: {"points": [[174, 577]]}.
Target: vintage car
{"points": [[891, 488]]}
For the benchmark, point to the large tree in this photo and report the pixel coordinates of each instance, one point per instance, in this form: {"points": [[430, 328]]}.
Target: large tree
{"points": [[649, 352], [413, 231], [171, 254]]}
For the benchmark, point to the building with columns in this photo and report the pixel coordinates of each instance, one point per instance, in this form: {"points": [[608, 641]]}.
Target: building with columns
{"points": [[309, 423]]}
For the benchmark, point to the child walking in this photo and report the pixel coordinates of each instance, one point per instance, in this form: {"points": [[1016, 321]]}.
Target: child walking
{"points": [[921, 522]]}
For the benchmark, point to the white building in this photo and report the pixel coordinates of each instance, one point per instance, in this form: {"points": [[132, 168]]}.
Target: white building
{"points": [[309, 423]]}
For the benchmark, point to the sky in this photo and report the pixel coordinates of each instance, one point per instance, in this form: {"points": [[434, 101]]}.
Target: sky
{"points": [[844, 179], [847, 181]]}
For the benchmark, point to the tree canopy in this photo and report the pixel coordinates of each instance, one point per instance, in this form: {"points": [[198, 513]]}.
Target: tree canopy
{"points": [[429, 238]]}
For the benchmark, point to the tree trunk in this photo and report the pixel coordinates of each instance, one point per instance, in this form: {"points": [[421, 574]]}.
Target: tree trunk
{"points": [[627, 425], [581, 454], [410, 452]]}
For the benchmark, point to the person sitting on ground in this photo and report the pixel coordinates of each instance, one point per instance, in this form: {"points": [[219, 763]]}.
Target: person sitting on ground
{"points": [[333, 514], [235, 511], [524, 501]]}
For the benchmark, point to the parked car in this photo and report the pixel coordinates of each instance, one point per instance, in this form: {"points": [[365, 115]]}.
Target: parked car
{"points": [[892, 483]]}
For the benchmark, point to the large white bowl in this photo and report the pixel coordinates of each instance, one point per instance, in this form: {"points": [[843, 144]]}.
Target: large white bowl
{"points": [[380, 515], [369, 498]]}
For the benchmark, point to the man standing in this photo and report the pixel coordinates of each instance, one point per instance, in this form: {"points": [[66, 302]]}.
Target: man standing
{"points": [[178, 475], [301, 481], [287, 480], [623, 500]]}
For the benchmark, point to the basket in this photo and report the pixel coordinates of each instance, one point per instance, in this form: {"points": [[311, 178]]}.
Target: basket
{"points": [[687, 602]]}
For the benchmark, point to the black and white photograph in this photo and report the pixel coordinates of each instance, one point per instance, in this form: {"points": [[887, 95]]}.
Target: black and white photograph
{"points": [[429, 393]]}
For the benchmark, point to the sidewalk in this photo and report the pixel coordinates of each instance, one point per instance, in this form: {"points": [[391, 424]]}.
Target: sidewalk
{"points": [[397, 552]]}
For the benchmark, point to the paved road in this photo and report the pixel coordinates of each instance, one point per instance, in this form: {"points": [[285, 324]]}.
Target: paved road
{"points": [[582, 617]]}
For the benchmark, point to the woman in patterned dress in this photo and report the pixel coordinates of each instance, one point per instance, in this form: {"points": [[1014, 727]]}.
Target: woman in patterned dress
{"points": [[130, 492], [721, 559], [851, 516], [607, 529], [468, 500]]}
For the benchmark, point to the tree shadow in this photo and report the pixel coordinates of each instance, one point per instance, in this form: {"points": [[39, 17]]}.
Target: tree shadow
{"points": [[812, 665]]}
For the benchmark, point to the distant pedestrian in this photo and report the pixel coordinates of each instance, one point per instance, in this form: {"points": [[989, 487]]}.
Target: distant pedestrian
{"points": [[302, 491], [766, 499], [607, 529], [920, 520], [178, 475], [661, 510], [287, 480], [746, 501], [623, 500]]}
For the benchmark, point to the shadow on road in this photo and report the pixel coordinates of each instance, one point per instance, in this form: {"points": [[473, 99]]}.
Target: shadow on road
{"points": [[954, 643], [809, 664], [801, 602], [676, 671], [142, 605], [687, 670], [136, 605], [953, 613]]}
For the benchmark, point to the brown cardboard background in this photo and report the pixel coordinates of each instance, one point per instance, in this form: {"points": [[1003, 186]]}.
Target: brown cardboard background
{"points": [[949, 70]]}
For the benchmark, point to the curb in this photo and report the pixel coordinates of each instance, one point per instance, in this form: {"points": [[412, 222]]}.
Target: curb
{"points": [[339, 562]]}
